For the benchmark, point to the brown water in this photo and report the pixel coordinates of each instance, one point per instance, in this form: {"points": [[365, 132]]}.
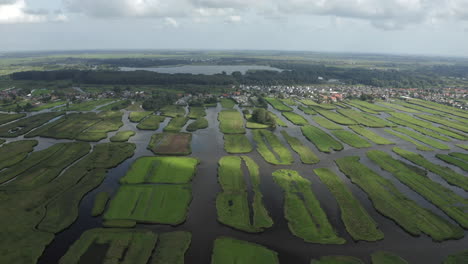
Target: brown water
{"points": [[207, 145]]}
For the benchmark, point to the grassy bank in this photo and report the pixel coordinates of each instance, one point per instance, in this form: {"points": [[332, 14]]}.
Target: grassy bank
{"points": [[151, 122], [136, 117], [122, 136], [228, 251], [379, 140], [100, 202], [358, 222], [200, 123], [320, 139], [231, 122], [323, 122], [296, 119], [306, 154], [351, 139], [408, 139], [176, 124], [236, 144], [278, 105], [271, 149]]}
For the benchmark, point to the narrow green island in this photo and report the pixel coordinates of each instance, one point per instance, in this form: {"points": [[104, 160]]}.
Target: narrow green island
{"points": [[228, 250]]}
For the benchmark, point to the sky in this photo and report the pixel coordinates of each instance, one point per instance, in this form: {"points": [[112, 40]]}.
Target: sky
{"points": [[430, 27]]}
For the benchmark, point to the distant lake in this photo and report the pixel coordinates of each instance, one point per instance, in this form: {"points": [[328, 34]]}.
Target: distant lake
{"points": [[203, 69]]}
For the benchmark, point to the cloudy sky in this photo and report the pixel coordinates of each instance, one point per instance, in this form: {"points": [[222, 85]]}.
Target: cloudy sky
{"points": [[437, 27]]}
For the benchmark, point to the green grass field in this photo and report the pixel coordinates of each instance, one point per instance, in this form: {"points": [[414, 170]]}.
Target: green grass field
{"points": [[335, 117], [418, 145], [171, 247], [85, 106], [196, 112], [23, 126], [115, 106], [6, 118], [278, 105], [364, 119], [419, 137], [461, 257], [151, 122], [231, 251], [360, 107], [100, 202], [323, 141], [231, 122], [446, 173], [233, 204], [14, 152], [176, 124], [459, 155], [439, 120], [454, 161], [136, 117], [307, 110], [296, 119], [424, 131], [379, 140], [389, 201], [236, 144], [271, 148], [309, 102], [176, 170], [122, 136], [227, 103], [400, 107], [383, 257], [168, 143], [372, 106], [449, 202], [278, 120], [440, 107], [199, 123], [306, 218], [325, 123], [306, 154], [172, 111], [156, 204], [116, 246], [289, 101], [351, 139], [359, 224], [337, 260]]}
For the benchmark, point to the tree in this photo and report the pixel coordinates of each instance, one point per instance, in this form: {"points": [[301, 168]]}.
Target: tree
{"points": [[262, 116]]}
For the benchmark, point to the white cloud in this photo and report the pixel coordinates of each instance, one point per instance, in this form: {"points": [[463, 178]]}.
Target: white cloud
{"points": [[169, 21], [233, 19], [16, 11]]}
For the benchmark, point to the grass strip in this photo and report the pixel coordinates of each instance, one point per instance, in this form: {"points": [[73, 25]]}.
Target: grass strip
{"points": [[136, 117], [172, 111], [6, 118], [233, 204], [227, 103], [419, 137], [454, 161], [230, 251], [152, 204], [307, 110], [459, 155], [364, 119], [271, 148], [168, 143], [236, 144], [337, 260], [176, 124], [463, 146], [296, 119], [446, 173], [458, 258], [100, 202], [383, 257], [200, 123], [359, 224], [442, 121], [363, 109], [390, 202], [231, 122], [278, 105], [171, 248], [196, 112], [122, 136], [85, 106], [400, 107], [115, 106], [152, 122], [23, 126], [14, 152], [372, 106], [419, 129], [278, 120], [351, 139], [406, 138], [379, 140], [440, 107], [320, 139], [289, 101], [175, 170], [449, 202], [111, 246], [323, 122], [309, 102], [336, 117], [306, 218], [306, 154]]}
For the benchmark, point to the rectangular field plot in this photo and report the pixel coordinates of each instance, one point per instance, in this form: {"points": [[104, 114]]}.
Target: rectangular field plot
{"points": [[231, 122], [323, 141], [23, 126], [128, 246], [295, 118], [161, 170], [171, 143], [277, 104], [271, 148], [156, 204], [306, 218], [230, 251]]}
